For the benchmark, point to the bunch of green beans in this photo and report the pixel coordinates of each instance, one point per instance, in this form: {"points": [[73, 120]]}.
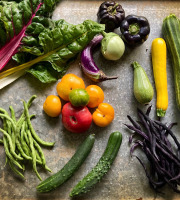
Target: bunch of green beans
{"points": [[21, 143]]}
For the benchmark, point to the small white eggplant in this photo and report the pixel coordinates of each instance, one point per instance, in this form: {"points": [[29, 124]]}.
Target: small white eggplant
{"points": [[112, 46]]}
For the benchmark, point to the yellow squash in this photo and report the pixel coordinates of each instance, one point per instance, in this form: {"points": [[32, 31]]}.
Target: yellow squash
{"points": [[158, 51]]}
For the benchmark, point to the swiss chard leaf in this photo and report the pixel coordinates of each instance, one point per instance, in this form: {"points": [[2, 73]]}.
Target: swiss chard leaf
{"points": [[15, 19], [44, 72], [60, 45]]}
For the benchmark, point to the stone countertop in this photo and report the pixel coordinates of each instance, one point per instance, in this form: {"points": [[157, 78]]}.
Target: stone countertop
{"points": [[126, 179]]}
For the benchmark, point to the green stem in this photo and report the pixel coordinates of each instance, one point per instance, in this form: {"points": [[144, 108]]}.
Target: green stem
{"points": [[135, 65], [134, 29], [112, 9], [160, 112]]}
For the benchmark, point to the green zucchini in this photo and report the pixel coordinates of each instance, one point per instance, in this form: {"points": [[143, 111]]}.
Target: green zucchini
{"points": [[102, 166], [70, 168], [143, 90], [171, 33]]}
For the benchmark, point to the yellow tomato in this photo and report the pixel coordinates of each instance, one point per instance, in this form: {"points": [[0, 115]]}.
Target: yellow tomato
{"points": [[96, 95], [103, 115], [52, 106], [68, 83]]}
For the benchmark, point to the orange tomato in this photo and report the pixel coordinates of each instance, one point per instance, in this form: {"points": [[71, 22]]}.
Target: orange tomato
{"points": [[52, 106], [68, 83], [96, 95], [103, 115]]}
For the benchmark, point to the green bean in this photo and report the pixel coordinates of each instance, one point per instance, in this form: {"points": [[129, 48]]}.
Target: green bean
{"points": [[1, 141], [33, 154], [20, 123], [38, 159], [15, 170], [11, 145], [8, 118], [6, 124], [38, 156], [32, 116], [21, 150], [28, 105], [10, 128], [12, 113], [9, 155], [40, 152], [24, 145], [18, 126], [36, 137], [42, 155], [27, 141], [3, 111], [11, 132], [26, 138]]}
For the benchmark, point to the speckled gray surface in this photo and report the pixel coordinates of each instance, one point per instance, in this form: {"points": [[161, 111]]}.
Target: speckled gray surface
{"points": [[126, 179]]}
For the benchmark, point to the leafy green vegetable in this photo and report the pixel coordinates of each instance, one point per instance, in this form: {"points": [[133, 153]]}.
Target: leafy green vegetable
{"points": [[19, 19], [57, 46], [44, 73]]}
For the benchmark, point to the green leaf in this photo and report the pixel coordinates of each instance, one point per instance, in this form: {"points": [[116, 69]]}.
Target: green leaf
{"points": [[62, 43], [66, 41], [16, 15], [57, 46], [44, 73]]}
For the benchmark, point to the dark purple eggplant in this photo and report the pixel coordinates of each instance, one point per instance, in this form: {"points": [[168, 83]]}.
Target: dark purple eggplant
{"points": [[135, 29], [88, 65], [111, 14]]}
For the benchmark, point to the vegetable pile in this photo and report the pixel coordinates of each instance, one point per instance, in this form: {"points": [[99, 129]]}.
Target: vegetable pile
{"points": [[76, 117], [161, 148], [21, 143], [45, 48]]}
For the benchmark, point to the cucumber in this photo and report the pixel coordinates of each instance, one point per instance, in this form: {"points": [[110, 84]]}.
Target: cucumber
{"points": [[102, 166], [171, 33], [70, 168], [143, 90]]}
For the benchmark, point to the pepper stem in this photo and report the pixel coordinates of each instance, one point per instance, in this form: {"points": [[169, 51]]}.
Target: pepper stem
{"points": [[112, 9], [134, 29]]}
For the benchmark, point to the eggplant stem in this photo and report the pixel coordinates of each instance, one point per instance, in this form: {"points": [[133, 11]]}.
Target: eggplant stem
{"points": [[105, 78]]}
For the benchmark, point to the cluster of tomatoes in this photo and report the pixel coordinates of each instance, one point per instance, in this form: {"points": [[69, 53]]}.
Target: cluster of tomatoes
{"points": [[76, 116]]}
